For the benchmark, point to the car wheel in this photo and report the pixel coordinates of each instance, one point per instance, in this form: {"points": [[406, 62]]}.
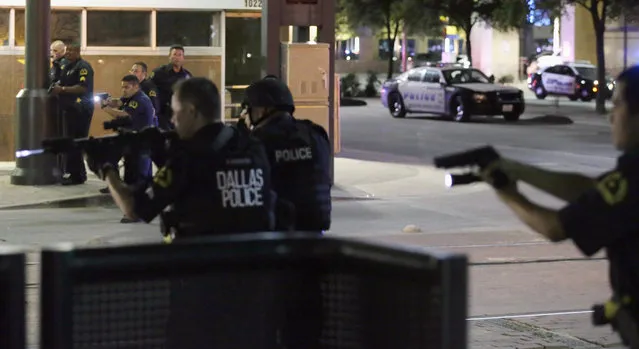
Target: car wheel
{"points": [[540, 92], [573, 98], [512, 116], [457, 110], [585, 96], [396, 106]]}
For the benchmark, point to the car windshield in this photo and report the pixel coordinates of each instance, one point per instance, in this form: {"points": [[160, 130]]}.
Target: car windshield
{"points": [[589, 73], [463, 76]]}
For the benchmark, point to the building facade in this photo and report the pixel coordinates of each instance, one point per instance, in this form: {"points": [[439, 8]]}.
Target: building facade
{"points": [[621, 40], [221, 39]]}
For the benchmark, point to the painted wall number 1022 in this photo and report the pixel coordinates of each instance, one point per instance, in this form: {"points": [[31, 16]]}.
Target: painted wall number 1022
{"points": [[253, 3]]}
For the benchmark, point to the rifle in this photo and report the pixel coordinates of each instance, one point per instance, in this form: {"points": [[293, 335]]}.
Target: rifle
{"points": [[144, 139], [478, 157]]}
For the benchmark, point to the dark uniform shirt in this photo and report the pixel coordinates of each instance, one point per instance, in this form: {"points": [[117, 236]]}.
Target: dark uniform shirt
{"points": [[299, 153], [151, 90], [607, 217], [79, 72], [140, 109], [56, 70], [207, 196], [164, 77]]}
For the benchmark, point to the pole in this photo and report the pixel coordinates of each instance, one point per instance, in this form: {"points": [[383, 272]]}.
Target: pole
{"points": [[33, 121], [404, 50], [625, 42]]}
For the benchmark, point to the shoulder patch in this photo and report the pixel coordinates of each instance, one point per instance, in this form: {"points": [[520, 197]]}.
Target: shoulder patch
{"points": [[84, 71], [164, 177], [152, 94], [133, 104], [613, 188], [152, 74]]}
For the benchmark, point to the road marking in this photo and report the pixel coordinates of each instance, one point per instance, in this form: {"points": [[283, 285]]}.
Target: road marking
{"points": [[518, 316]]}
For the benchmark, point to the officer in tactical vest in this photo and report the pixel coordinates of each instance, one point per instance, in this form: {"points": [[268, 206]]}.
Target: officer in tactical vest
{"points": [[601, 213], [299, 151], [215, 180]]}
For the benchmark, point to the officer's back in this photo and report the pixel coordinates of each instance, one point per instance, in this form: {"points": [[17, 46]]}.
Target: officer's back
{"points": [[299, 152]]}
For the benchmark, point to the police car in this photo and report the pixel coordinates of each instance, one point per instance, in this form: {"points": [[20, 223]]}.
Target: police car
{"points": [[456, 92], [573, 80]]}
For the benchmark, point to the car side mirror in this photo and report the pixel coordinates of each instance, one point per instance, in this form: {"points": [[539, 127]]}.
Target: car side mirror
{"points": [[491, 79]]}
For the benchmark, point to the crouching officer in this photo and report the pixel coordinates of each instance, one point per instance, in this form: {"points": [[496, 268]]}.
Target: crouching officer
{"points": [[601, 212], [137, 106], [299, 151], [216, 182]]}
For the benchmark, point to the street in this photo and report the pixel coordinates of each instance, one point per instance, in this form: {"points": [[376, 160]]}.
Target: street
{"points": [[515, 275]]}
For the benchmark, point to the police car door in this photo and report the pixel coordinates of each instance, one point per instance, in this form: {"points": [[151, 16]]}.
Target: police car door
{"points": [[432, 92], [556, 80], [409, 89]]}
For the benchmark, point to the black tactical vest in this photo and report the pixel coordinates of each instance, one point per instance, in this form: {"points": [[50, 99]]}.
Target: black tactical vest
{"points": [[229, 188], [299, 152]]}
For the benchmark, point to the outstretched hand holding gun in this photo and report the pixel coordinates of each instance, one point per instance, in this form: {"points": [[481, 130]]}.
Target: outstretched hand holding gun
{"points": [[485, 165]]}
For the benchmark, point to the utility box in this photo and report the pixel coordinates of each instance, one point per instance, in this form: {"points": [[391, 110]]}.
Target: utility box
{"points": [[305, 69]]}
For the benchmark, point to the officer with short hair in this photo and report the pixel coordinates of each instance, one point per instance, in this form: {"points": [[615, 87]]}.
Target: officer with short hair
{"points": [[216, 181], [139, 69], [137, 106], [164, 77], [58, 50], [75, 91], [299, 151], [601, 212]]}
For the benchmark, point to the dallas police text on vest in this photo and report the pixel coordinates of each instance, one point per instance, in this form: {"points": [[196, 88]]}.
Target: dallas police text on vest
{"points": [[298, 154], [241, 188]]}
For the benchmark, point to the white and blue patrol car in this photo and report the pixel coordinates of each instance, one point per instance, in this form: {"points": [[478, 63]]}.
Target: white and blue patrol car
{"points": [[456, 92], [575, 80]]}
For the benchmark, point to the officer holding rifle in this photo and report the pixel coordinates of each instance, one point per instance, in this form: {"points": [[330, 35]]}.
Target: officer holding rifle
{"points": [[601, 213]]}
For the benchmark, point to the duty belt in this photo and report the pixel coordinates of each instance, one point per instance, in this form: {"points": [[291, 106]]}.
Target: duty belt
{"points": [[617, 312]]}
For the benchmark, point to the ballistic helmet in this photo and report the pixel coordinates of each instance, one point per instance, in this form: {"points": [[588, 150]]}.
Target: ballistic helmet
{"points": [[270, 92]]}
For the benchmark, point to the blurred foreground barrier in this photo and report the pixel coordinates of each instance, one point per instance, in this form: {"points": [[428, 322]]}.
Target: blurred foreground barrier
{"points": [[12, 298], [254, 291]]}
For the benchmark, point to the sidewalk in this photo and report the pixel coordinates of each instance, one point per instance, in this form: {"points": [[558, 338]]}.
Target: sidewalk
{"points": [[14, 196]]}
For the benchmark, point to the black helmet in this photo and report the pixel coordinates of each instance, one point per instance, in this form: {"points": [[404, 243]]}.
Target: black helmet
{"points": [[270, 92]]}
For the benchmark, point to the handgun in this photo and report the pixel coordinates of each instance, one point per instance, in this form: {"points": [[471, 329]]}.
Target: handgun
{"points": [[478, 157]]}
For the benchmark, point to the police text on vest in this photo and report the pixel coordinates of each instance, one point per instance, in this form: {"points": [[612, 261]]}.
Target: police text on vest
{"points": [[241, 188], [297, 154]]}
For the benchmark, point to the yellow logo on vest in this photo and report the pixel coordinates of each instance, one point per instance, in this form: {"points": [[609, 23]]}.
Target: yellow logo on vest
{"points": [[613, 188], [152, 94], [84, 72], [133, 104], [164, 177]]}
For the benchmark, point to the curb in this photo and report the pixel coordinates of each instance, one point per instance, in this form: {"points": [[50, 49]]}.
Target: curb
{"points": [[101, 200]]}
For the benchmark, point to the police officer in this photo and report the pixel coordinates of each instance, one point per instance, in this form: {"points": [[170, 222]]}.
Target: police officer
{"points": [[58, 50], [137, 106], [164, 78], [601, 213], [216, 182], [75, 91], [139, 69], [299, 151]]}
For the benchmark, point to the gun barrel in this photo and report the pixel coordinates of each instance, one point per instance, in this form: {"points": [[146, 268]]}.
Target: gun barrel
{"points": [[477, 156]]}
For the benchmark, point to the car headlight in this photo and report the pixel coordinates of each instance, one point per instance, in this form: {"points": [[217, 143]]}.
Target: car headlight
{"points": [[596, 82], [479, 97], [611, 86]]}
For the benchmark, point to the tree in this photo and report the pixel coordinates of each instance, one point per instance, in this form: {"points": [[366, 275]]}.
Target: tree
{"points": [[390, 16], [600, 12], [465, 14]]}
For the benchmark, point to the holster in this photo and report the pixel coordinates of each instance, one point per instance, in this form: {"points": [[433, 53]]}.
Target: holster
{"points": [[619, 315]]}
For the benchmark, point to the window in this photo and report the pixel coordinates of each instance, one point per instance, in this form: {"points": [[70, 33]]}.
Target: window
{"points": [[432, 76], [4, 27], [415, 75], [65, 26], [188, 28], [118, 28]]}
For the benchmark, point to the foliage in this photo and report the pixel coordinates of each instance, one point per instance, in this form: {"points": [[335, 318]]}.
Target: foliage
{"points": [[349, 85], [372, 82]]}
